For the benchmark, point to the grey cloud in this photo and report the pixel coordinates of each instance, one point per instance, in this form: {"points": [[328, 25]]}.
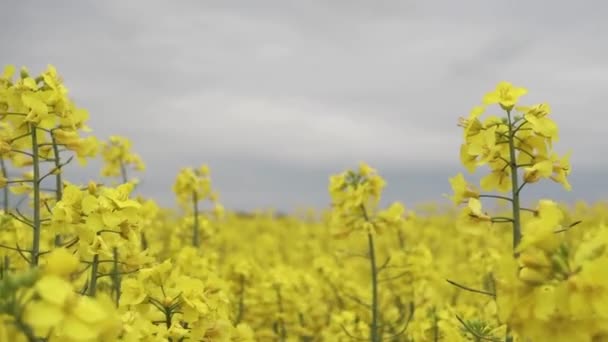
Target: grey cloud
{"points": [[279, 94]]}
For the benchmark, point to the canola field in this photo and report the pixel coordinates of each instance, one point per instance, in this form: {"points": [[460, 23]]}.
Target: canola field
{"points": [[96, 262]]}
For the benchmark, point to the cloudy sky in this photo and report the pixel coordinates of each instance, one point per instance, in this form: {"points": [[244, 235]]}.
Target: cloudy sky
{"points": [[277, 95]]}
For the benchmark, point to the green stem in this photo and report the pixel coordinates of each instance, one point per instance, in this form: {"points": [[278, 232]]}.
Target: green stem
{"points": [[5, 204], [116, 276], [144, 241], [496, 197], [514, 184], [58, 180], [27, 331], [5, 267], [515, 191], [241, 308], [168, 320], [435, 326], [374, 333], [123, 172], [195, 228], [401, 239], [282, 329], [94, 273], [36, 182]]}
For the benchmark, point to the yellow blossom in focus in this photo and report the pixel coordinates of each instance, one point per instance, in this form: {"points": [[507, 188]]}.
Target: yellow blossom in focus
{"points": [[61, 262], [505, 94]]}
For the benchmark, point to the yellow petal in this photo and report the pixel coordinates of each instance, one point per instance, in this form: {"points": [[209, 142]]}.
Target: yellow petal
{"points": [[54, 289]]}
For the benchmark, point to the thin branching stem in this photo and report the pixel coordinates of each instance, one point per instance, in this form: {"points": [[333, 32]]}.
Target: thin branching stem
{"points": [[36, 190], [58, 166], [196, 239], [5, 202], [116, 278], [123, 172], [515, 188], [94, 276], [374, 334], [497, 197], [493, 295]]}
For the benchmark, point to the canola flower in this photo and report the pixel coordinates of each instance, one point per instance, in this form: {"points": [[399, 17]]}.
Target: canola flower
{"points": [[97, 262], [118, 157], [355, 198], [192, 186]]}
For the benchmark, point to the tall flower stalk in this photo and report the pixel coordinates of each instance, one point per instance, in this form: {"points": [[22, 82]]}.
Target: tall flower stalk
{"points": [[355, 198], [508, 145]]}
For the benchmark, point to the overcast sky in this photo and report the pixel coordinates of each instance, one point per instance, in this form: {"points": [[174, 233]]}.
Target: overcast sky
{"points": [[277, 95]]}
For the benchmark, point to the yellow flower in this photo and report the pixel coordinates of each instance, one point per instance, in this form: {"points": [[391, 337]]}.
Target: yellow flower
{"points": [[118, 156], [538, 118], [133, 292], [191, 185], [542, 169], [63, 313], [505, 94], [366, 170], [540, 231], [484, 146], [462, 190], [471, 125], [499, 179], [468, 159], [61, 262], [561, 170], [534, 258], [533, 276]]}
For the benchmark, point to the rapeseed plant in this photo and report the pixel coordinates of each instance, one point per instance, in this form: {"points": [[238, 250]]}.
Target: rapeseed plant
{"points": [[94, 262]]}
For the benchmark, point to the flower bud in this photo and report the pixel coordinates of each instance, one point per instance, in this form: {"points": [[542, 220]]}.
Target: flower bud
{"points": [[46, 151], [167, 302], [24, 73], [5, 147], [23, 279], [535, 258], [560, 264], [531, 175], [92, 188], [532, 276]]}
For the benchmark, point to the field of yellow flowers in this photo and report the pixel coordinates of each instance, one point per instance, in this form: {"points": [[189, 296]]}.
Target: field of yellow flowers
{"points": [[93, 262]]}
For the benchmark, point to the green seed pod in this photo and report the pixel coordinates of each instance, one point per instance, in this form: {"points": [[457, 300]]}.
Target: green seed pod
{"points": [[24, 73], [560, 264]]}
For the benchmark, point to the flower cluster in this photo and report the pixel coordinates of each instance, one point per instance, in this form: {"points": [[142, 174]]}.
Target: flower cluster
{"points": [[355, 199], [118, 157]]}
